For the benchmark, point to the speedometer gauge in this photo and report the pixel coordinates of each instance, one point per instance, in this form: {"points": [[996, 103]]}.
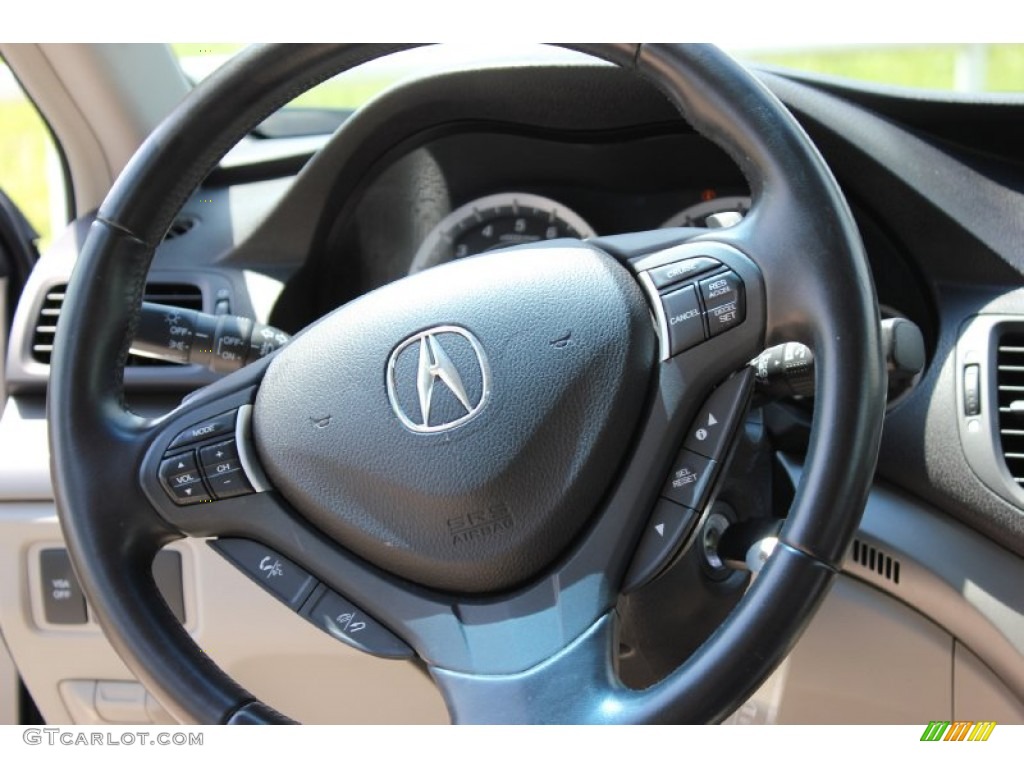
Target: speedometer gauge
{"points": [[697, 215], [497, 221]]}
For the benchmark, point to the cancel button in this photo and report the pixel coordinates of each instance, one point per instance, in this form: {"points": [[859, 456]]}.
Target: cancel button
{"points": [[682, 314]]}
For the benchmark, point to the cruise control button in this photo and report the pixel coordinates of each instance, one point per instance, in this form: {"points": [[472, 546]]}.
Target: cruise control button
{"points": [[682, 314], [721, 319], [724, 300], [182, 481], [277, 574], [720, 289], [690, 479], [339, 618], [223, 424], [710, 431], [681, 270], [666, 530]]}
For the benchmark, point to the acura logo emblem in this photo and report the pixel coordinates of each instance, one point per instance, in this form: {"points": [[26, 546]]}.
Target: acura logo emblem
{"points": [[445, 396]]}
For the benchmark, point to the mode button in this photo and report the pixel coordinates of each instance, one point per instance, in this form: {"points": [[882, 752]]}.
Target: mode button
{"points": [[224, 424]]}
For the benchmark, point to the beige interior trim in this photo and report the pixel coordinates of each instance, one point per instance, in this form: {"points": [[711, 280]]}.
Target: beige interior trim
{"points": [[101, 102]]}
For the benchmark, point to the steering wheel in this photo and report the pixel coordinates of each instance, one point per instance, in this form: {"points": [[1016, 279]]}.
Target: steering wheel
{"points": [[463, 465]]}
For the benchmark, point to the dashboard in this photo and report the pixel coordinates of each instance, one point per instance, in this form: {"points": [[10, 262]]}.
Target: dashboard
{"points": [[461, 163]]}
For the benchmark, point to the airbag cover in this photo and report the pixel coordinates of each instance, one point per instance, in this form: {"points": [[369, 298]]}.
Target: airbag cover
{"points": [[532, 366]]}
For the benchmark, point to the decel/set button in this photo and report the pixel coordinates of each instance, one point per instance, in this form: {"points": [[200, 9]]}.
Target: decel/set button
{"points": [[723, 297]]}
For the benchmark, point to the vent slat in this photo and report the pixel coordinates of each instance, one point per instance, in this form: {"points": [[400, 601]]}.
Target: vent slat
{"points": [[875, 561], [181, 295]]}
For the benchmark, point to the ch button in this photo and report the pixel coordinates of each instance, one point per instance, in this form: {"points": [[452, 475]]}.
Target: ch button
{"points": [[223, 470]]}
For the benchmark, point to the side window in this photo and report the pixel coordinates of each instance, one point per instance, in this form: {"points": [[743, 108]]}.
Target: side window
{"points": [[30, 168]]}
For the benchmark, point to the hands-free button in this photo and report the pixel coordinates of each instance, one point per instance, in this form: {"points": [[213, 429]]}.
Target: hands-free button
{"points": [[715, 422], [182, 481], [339, 618], [222, 424], [679, 271], [724, 301], [666, 530], [682, 314], [690, 479], [277, 574]]}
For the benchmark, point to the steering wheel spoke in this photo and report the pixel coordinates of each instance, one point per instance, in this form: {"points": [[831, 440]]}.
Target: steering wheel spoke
{"points": [[202, 462]]}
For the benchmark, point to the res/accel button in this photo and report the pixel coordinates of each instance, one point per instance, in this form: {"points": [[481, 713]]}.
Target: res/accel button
{"points": [[724, 300]]}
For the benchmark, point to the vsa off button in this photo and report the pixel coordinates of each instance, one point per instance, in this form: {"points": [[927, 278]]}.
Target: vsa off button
{"points": [[683, 317]]}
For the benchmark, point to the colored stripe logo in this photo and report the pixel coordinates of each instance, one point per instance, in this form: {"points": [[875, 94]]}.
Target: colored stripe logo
{"points": [[959, 730]]}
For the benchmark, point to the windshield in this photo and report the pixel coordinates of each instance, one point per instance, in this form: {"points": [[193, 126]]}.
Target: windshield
{"points": [[969, 67]]}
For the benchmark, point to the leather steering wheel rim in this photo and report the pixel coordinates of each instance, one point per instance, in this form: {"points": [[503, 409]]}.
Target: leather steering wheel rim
{"points": [[799, 221]]}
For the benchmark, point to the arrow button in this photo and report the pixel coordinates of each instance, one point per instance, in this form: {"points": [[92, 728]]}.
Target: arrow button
{"points": [[716, 422], [672, 525]]}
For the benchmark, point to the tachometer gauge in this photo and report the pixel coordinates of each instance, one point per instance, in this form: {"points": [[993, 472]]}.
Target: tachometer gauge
{"points": [[697, 215], [497, 221]]}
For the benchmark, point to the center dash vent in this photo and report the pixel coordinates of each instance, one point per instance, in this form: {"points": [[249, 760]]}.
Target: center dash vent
{"points": [[876, 561], [181, 226], [1010, 398], [182, 295]]}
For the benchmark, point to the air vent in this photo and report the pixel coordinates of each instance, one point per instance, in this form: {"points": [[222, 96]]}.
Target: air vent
{"points": [[181, 226], [46, 324], [876, 561], [175, 294], [1010, 399]]}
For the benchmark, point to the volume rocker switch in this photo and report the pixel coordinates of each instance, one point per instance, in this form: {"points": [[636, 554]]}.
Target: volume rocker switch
{"points": [[181, 479]]}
